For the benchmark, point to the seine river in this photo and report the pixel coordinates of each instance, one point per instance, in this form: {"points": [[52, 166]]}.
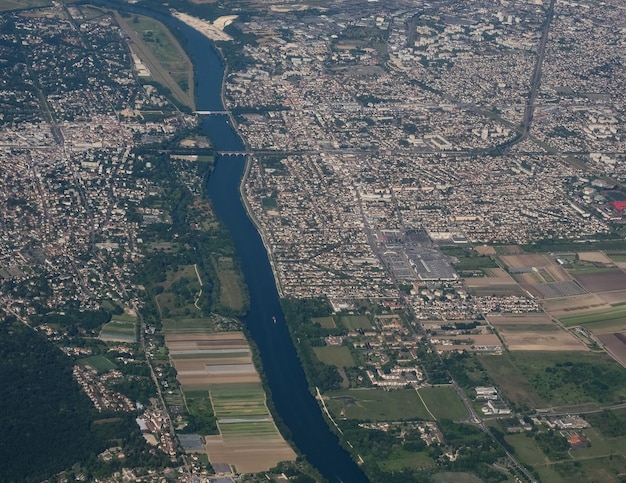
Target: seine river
{"points": [[295, 405]]}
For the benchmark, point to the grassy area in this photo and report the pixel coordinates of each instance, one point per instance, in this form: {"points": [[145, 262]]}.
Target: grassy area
{"points": [[231, 295], [123, 330], [355, 322], [6, 5], [99, 363], [455, 477], [606, 470], [159, 50], [443, 402], [325, 322], [186, 325], [599, 445], [569, 378], [180, 291], [511, 380], [376, 404], [335, 355], [400, 458], [526, 449], [474, 263], [615, 316]]}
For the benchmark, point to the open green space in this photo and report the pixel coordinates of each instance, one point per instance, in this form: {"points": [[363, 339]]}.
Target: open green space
{"points": [[325, 322], [6, 5], [538, 379], [355, 322], [443, 402], [511, 381], [604, 318], [335, 355], [159, 50], [187, 325], [231, 295], [599, 445], [526, 449], [121, 330], [99, 363], [474, 263], [376, 404], [605, 470], [611, 424], [401, 458], [455, 477], [181, 288]]}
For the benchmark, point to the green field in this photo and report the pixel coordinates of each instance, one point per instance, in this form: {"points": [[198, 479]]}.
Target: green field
{"points": [[325, 322], [22, 4], [613, 317], [187, 325], [443, 402], [121, 328], [354, 322], [400, 458], [511, 381], [180, 291], [159, 50], [376, 404], [99, 363], [335, 355], [600, 446], [250, 430], [239, 400], [605, 470], [541, 379], [231, 295]]}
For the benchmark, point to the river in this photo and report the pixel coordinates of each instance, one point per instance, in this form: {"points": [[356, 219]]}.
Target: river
{"points": [[294, 403]]}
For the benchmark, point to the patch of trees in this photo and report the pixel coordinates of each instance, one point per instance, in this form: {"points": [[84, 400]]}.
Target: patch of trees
{"points": [[122, 430], [609, 423], [552, 444], [85, 319], [44, 415]]}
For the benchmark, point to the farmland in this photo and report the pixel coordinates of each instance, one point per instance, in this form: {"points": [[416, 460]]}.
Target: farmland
{"points": [[223, 389], [611, 318]]}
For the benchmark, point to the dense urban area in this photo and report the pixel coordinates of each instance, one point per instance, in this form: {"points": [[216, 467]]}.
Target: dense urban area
{"points": [[441, 190]]}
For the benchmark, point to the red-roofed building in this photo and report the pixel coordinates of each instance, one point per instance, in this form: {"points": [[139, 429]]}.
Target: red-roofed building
{"points": [[619, 206]]}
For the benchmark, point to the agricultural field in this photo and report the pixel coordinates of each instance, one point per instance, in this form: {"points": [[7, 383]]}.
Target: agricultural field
{"points": [[443, 402], [120, 329], [335, 355], [495, 282], [570, 306], [606, 281], [544, 337], [98, 363], [376, 404], [613, 318], [400, 458], [355, 322], [615, 344]]}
